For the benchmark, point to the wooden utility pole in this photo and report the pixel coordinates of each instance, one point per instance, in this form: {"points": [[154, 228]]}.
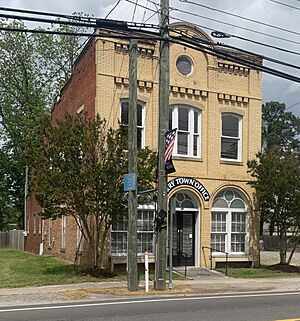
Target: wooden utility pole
{"points": [[162, 199], [132, 276]]}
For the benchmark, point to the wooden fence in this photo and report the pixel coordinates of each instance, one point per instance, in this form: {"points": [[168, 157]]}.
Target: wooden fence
{"points": [[12, 239]]}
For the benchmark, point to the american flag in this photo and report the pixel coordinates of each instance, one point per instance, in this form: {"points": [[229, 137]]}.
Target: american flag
{"points": [[170, 139]]}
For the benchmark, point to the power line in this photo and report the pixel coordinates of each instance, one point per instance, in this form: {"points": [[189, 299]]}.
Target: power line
{"points": [[218, 21], [230, 34], [240, 17], [283, 4], [179, 40], [297, 103], [87, 21], [133, 15], [114, 7], [209, 42]]}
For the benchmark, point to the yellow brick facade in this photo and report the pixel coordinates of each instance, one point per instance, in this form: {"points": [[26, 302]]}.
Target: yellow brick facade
{"points": [[214, 86]]}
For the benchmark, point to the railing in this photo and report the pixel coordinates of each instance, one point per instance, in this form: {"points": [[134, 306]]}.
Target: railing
{"points": [[211, 257], [185, 259]]}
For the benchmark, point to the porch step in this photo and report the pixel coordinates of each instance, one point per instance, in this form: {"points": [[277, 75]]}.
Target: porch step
{"points": [[195, 273]]}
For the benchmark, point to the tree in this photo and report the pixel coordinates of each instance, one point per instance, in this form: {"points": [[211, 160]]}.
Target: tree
{"points": [[279, 127], [33, 68], [79, 172], [277, 184]]}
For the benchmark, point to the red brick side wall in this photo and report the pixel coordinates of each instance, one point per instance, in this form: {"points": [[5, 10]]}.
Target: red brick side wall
{"points": [[79, 91], [33, 225]]}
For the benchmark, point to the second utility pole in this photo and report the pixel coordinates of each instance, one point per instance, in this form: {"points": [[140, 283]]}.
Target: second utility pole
{"points": [[162, 199]]}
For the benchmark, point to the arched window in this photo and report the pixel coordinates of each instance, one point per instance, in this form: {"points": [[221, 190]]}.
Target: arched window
{"points": [[229, 221], [187, 120], [231, 137]]}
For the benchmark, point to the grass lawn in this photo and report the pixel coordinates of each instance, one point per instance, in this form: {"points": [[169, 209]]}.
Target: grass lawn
{"points": [[20, 269], [253, 273]]}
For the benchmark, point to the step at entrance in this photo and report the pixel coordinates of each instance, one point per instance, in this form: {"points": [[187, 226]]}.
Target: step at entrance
{"points": [[198, 273]]}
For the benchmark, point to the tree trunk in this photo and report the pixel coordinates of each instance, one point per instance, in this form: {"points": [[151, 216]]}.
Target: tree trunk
{"points": [[101, 250], [293, 251], [283, 247]]}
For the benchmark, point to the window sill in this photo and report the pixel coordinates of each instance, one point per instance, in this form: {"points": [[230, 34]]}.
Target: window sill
{"points": [[231, 162], [62, 250], [188, 158]]}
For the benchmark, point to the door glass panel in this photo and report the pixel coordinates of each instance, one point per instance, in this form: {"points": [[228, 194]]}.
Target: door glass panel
{"points": [[187, 234]]}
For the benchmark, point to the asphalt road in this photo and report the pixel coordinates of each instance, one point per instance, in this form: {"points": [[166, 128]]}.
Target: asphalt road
{"points": [[238, 307]]}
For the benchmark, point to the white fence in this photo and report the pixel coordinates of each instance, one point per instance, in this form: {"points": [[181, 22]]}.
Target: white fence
{"points": [[12, 239]]}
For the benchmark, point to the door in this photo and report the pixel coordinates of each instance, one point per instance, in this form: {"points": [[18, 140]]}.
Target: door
{"points": [[183, 238]]}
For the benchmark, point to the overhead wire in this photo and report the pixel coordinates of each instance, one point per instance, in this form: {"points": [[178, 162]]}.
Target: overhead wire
{"points": [[235, 36], [134, 11], [285, 4], [179, 40], [113, 8], [239, 16], [261, 56], [154, 36], [219, 21]]}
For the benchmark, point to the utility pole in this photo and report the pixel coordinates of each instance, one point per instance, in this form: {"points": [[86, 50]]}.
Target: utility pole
{"points": [[162, 199], [132, 276]]}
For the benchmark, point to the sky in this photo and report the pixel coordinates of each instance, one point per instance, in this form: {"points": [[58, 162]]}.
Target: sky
{"points": [[271, 12]]}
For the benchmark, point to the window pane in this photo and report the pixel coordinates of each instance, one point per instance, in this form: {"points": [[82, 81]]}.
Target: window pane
{"points": [[230, 126], [220, 203], [238, 242], [237, 204], [139, 137], [229, 148], [139, 115], [238, 222], [182, 147], [196, 122], [183, 119], [124, 113], [218, 222], [195, 149], [218, 242], [170, 118]]}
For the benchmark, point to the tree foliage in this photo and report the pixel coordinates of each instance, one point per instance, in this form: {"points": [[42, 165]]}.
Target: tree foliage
{"points": [[277, 184], [33, 68], [279, 127], [79, 172]]}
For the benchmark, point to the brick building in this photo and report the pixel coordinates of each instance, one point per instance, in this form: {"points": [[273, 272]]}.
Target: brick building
{"points": [[216, 107]]}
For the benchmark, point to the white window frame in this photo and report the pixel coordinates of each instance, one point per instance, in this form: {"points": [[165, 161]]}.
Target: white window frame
{"points": [[63, 231], [229, 232], [190, 132], [142, 127], [124, 252], [238, 139]]}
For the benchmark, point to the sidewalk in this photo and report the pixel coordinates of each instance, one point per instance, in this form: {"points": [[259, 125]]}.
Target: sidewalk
{"points": [[104, 290]]}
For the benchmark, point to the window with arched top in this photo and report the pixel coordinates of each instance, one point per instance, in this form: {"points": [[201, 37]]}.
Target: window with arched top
{"points": [[184, 200], [229, 222], [187, 120]]}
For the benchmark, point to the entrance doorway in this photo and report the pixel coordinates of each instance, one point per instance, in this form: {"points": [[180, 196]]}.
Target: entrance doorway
{"points": [[185, 230], [184, 238]]}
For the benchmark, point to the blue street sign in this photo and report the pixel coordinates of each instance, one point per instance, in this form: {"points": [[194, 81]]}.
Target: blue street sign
{"points": [[129, 182]]}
